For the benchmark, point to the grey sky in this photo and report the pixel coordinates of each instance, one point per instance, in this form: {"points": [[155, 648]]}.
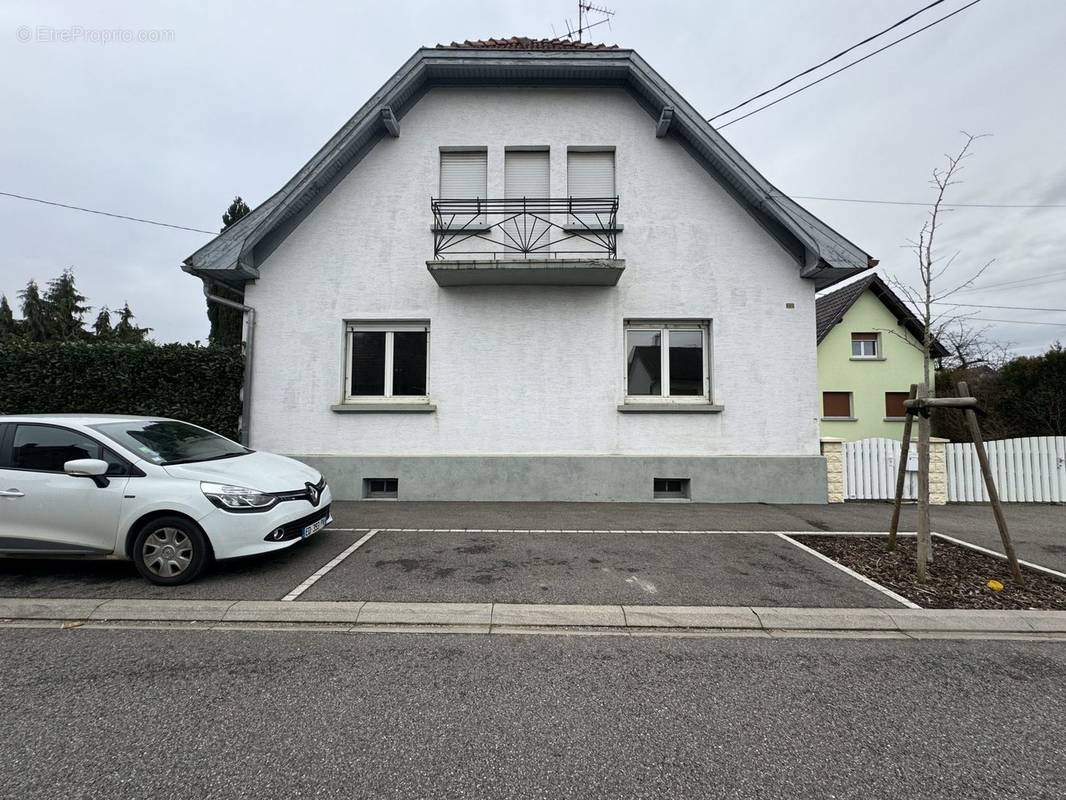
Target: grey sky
{"points": [[245, 92]]}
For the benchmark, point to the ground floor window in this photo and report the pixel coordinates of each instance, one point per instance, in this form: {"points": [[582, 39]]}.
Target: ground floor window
{"points": [[387, 360], [894, 408], [667, 360]]}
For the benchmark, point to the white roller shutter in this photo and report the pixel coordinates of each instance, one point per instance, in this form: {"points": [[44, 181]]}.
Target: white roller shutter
{"points": [[590, 174], [526, 174], [463, 175]]}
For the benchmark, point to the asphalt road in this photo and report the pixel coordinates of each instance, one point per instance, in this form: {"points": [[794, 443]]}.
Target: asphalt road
{"points": [[212, 714]]}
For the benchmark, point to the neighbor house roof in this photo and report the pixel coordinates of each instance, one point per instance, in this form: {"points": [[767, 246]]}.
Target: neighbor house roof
{"points": [[831, 307], [525, 43], [235, 255]]}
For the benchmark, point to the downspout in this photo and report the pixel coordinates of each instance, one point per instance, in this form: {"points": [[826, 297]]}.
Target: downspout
{"points": [[246, 386]]}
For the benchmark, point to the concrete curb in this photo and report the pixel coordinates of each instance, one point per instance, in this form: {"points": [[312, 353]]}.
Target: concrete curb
{"points": [[516, 617]]}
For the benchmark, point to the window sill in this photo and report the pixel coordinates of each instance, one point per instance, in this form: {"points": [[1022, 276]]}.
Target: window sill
{"points": [[867, 358], [388, 408], [840, 419], [895, 419], [678, 408]]}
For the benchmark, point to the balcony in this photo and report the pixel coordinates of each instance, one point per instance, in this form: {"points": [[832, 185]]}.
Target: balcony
{"points": [[566, 241]]}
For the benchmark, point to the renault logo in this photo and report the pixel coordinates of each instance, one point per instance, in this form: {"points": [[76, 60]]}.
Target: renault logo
{"points": [[312, 493]]}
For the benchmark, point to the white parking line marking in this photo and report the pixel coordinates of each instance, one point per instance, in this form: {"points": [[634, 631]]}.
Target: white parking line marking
{"points": [[303, 587], [986, 551], [872, 584]]}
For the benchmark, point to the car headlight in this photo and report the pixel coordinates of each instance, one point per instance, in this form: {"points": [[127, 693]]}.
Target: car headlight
{"points": [[237, 498]]}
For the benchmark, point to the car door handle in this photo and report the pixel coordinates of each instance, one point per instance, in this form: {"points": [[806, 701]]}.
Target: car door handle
{"points": [[11, 493]]}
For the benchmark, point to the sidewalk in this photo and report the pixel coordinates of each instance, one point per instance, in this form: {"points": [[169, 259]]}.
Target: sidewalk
{"points": [[497, 618]]}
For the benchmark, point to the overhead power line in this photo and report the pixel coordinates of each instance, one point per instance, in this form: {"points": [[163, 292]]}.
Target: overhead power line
{"points": [[1010, 308], [1018, 321], [916, 203], [821, 64], [850, 64], [106, 213], [1019, 283]]}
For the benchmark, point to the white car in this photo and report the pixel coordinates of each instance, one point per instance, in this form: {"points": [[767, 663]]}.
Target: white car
{"points": [[165, 494]]}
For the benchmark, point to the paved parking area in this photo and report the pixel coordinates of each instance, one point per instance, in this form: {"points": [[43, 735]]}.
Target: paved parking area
{"points": [[1038, 530], [545, 561], [654, 568], [267, 577]]}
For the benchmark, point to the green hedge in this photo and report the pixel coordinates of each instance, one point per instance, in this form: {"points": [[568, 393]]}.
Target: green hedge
{"points": [[184, 381]]}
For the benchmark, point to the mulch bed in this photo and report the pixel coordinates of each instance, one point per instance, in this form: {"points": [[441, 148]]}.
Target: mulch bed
{"points": [[957, 575]]}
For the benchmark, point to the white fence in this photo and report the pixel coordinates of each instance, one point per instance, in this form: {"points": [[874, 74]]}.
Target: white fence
{"points": [[1030, 470], [870, 470]]}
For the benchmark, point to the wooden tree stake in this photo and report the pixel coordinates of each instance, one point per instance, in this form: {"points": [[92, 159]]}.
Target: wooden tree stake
{"points": [[924, 539], [990, 486], [901, 474]]}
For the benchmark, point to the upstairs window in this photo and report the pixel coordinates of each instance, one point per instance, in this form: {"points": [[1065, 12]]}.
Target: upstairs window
{"points": [[590, 173], [525, 174], [667, 361], [387, 361], [865, 345], [464, 175]]}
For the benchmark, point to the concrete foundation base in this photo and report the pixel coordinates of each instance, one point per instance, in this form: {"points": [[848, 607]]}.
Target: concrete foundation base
{"points": [[712, 479]]}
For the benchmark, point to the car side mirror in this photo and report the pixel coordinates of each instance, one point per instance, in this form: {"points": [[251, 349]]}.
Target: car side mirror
{"points": [[93, 468]]}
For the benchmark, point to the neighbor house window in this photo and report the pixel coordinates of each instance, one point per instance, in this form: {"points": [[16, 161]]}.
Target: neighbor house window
{"points": [[865, 345], [894, 408], [387, 360], [667, 360], [590, 173], [836, 405]]}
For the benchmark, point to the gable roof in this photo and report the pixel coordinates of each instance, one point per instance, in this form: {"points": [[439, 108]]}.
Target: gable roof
{"points": [[234, 256], [830, 309]]}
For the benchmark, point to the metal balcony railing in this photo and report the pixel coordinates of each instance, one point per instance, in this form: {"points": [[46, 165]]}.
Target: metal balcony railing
{"points": [[523, 227]]}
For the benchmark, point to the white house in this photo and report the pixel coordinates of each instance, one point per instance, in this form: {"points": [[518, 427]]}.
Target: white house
{"points": [[529, 270]]}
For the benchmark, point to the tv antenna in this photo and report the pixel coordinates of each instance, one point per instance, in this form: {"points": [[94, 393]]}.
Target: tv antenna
{"points": [[584, 9]]}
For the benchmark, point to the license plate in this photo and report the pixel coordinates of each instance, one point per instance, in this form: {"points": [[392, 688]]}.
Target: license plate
{"points": [[315, 527]]}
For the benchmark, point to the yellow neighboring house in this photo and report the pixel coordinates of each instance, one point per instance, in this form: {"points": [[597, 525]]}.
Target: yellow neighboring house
{"points": [[869, 354]]}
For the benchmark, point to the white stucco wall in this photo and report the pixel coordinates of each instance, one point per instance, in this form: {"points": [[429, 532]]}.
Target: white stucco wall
{"points": [[528, 370]]}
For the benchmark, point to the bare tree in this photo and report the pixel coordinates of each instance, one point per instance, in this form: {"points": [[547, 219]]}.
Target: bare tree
{"points": [[970, 347], [932, 266]]}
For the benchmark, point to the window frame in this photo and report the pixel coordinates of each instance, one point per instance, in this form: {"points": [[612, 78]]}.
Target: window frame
{"points": [[388, 328], [866, 336], [663, 327], [851, 406]]}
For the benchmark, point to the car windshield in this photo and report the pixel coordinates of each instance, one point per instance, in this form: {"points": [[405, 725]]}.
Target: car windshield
{"points": [[165, 442]]}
